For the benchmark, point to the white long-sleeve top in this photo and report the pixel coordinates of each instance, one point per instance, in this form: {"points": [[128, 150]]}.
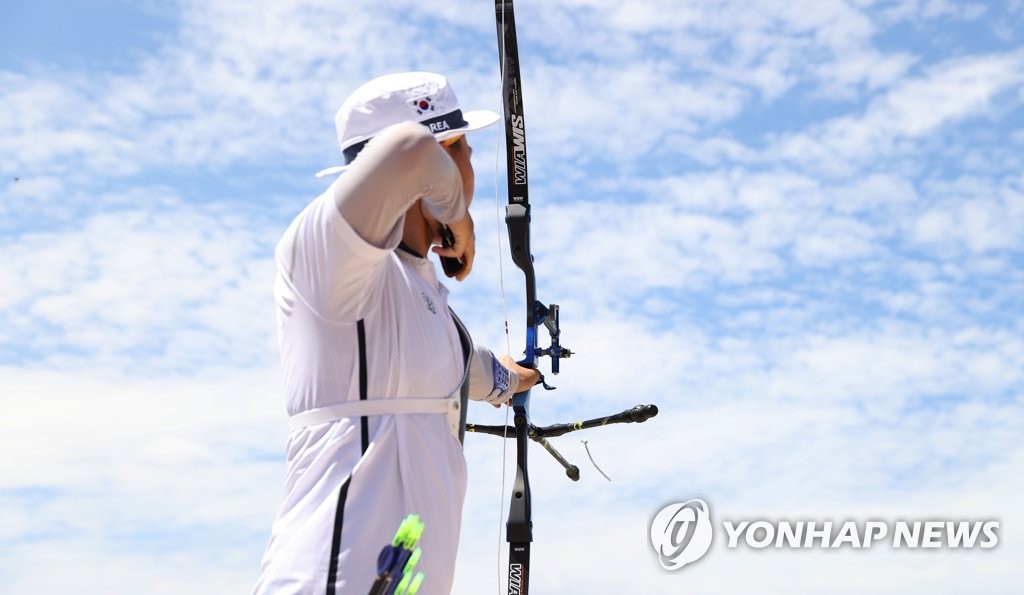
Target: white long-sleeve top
{"points": [[358, 318]]}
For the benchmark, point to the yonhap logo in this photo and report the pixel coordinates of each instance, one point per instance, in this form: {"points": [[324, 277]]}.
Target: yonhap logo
{"points": [[681, 533]]}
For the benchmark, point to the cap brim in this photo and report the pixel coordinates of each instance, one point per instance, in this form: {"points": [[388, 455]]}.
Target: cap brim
{"points": [[475, 120]]}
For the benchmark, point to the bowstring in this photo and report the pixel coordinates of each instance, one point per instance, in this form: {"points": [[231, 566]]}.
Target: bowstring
{"points": [[501, 285]]}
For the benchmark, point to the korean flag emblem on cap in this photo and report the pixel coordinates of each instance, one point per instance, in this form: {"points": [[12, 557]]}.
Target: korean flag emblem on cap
{"points": [[422, 105]]}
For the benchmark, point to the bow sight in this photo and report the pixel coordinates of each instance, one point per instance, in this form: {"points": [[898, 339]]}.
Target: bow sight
{"points": [[549, 318]]}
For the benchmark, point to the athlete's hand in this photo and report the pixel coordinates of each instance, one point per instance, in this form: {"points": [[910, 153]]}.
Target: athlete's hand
{"points": [[464, 247], [528, 377]]}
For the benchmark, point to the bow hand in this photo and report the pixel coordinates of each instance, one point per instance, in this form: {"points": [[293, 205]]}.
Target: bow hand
{"points": [[528, 377]]}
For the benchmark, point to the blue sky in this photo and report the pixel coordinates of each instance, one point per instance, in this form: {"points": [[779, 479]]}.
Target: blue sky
{"points": [[795, 226], [101, 34]]}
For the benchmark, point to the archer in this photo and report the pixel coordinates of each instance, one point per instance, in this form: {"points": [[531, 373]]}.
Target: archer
{"points": [[376, 368]]}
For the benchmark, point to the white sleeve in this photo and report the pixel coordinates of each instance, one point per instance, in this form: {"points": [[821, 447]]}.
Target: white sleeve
{"points": [[330, 255], [398, 166], [489, 379], [325, 263]]}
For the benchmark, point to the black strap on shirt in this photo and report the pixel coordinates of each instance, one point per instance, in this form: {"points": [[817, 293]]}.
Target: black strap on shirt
{"points": [[363, 380], [467, 352]]}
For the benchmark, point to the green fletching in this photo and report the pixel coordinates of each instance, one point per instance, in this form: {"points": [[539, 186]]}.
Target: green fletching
{"points": [[411, 528], [417, 532], [408, 534], [410, 584], [413, 560], [403, 586], [416, 582]]}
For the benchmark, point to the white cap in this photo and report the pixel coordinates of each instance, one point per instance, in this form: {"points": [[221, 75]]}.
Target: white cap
{"points": [[422, 97]]}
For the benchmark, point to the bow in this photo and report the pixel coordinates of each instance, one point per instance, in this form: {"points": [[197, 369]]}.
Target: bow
{"points": [[519, 527]]}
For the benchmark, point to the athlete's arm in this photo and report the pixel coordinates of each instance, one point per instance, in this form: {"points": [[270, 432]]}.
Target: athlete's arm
{"points": [[328, 254], [495, 380], [401, 164]]}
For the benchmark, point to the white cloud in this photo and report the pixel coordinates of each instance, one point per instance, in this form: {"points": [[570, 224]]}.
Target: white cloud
{"points": [[125, 470], [874, 70], [160, 281], [973, 215], [948, 93]]}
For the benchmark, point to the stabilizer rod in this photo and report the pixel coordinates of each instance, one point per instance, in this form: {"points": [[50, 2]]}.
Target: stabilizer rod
{"points": [[638, 414]]}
